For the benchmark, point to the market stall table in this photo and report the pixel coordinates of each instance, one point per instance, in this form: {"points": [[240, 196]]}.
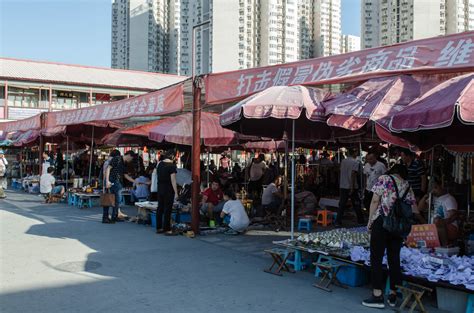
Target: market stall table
{"points": [[144, 208], [86, 199]]}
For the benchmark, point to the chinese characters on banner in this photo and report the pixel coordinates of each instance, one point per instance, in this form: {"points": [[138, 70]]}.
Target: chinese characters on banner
{"points": [[438, 54], [30, 123], [164, 101], [423, 235]]}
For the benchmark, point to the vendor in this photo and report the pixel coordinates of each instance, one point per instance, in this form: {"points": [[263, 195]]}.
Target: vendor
{"points": [[141, 187], [212, 200], [239, 221], [272, 197], [224, 162], [47, 185], [445, 213]]}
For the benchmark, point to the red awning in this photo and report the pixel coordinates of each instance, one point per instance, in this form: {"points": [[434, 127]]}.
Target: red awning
{"points": [[453, 53]]}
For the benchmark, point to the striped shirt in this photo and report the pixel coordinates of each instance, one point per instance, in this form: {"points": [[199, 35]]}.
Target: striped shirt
{"points": [[415, 171]]}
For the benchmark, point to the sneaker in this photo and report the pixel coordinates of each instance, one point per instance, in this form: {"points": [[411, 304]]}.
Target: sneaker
{"points": [[374, 302], [392, 300]]}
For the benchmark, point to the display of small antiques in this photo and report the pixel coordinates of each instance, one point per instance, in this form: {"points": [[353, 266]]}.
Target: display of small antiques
{"points": [[337, 238]]}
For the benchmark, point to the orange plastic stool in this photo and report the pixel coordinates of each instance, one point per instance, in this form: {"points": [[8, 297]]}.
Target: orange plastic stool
{"points": [[324, 218]]}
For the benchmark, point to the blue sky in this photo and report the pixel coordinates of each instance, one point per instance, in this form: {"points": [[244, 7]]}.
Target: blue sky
{"points": [[78, 31]]}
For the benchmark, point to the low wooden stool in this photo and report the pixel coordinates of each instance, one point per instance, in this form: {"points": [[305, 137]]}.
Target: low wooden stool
{"points": [[279, 257], [329, 268], [415, 291]]}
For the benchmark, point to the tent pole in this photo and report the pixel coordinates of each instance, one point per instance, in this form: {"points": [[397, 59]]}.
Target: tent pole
{"points": [[208, 158], [430, 186], [196, 154], [285, 186], [293, 182], [67, 162], [91, 155]]}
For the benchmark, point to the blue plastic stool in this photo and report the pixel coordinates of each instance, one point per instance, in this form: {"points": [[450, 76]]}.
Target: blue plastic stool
{"points": [[298, 262], [305, 223]]}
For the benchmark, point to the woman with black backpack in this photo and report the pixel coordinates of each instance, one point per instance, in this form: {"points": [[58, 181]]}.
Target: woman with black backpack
{"points": [[392, 193]]}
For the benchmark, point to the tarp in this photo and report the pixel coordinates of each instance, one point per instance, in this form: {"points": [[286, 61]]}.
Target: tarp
{"points": [[452, 53], [165, 101], [179, 130]]}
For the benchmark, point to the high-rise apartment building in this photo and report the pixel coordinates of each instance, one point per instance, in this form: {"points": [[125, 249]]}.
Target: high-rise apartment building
{"points": [[385, 22], [156, 35], [350, 43], [459, 16], [327, 27]]}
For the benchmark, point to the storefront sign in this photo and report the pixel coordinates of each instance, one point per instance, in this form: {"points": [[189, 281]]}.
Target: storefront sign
{"points": [[161, 102], [451, 53], [425, 235]]}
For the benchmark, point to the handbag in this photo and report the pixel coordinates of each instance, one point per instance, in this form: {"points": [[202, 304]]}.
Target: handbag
{"points": [[400, 218], [107, 199]]}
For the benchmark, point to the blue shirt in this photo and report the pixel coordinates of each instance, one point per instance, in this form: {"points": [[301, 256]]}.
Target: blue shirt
{"points": [[142, 190]]}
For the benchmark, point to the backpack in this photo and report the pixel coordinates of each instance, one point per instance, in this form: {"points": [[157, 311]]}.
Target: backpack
{"points": [[400, 219]]}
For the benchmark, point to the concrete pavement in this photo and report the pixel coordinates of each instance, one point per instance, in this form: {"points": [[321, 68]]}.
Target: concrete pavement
{"points": [[56, 258]]}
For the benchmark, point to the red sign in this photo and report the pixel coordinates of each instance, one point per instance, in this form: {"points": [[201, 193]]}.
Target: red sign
{"points": [[453, 53], [33, 122], [161, 102], [425, 235]]}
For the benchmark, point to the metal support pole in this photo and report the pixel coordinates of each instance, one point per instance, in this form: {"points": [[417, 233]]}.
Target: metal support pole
{"points": [[67, 162], [41, 144], [285, 185], [208, 157], [430, 186], [92, 153], [196, 156], [293, 182]]}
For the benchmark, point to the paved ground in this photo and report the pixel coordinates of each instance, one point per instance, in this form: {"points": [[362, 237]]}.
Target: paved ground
{"points": [[56, 258]]}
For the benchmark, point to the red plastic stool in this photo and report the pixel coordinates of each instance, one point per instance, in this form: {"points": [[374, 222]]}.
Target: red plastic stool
{"points": [[324, 218]]}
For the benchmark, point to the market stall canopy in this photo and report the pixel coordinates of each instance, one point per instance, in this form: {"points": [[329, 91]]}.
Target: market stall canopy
{"points": [[442, 116], [179, 130], [270, 145], [165, 101], [373, 100], [439, 107], [442, 54], [270, 114], [131, 136]]}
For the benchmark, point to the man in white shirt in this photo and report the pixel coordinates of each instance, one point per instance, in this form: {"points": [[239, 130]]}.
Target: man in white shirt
{"points": [[445, 213], [349, 188], [47, 184], [373, 169], [272, 197], [239, 221]]}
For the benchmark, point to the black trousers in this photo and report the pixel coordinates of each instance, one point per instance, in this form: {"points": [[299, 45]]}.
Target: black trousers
{"points": [[367, 199], [163, 213], [344, 195], [380, 241]]}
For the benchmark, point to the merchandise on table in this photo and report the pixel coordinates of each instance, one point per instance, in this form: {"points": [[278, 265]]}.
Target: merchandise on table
{"points": [[338, 238], [434, 267]]}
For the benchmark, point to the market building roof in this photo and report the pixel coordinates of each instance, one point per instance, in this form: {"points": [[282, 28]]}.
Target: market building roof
{"points": [[58, 73]]}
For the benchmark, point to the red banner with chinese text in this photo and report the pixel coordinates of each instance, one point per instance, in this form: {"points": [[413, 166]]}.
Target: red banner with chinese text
{"points": [[30, 123], [165, 101], [453, 53]]}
